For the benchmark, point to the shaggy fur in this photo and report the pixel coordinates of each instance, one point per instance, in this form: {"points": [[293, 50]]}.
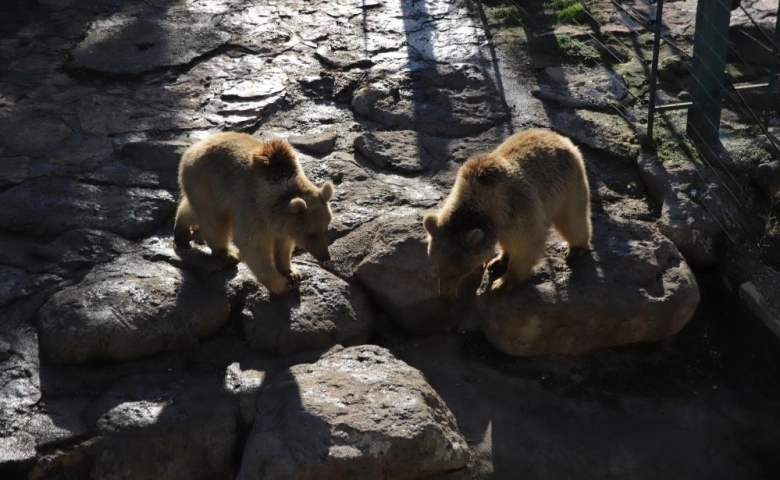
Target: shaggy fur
{"points": [[510, 197], [236, 187]]}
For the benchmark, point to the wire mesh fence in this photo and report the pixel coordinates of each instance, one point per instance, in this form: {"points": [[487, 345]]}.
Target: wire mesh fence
{"points": [[722, 60]]}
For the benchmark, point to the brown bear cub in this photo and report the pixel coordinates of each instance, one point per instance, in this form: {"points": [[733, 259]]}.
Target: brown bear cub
{"points": [[510, 197], [234, 186]]}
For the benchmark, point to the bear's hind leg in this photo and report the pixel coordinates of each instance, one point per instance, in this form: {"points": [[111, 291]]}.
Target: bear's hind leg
{"points": [[186, 220], [283, 249], [216, 230]]}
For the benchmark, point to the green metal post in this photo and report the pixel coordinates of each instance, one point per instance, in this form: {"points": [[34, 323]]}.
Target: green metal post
{"points": [[710, 46], [770, 88], [659, 23]]}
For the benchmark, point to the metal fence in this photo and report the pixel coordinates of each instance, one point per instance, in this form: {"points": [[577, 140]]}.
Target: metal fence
{"points": [[708, 87]]}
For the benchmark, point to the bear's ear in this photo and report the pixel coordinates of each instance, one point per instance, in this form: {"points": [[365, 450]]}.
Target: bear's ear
{"points": [[326, 192], [431, 223], [474, 237], [297, 205]]}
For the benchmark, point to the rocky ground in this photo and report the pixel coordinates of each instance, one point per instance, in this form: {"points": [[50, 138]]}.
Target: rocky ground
{"points": [[121, 357]]}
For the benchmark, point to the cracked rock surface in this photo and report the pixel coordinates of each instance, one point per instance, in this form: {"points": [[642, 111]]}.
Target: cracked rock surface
{"points": [[357, 412]]}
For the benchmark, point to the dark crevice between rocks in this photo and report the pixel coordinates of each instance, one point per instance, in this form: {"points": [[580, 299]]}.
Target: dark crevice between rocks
{"points": [[242, 438]]}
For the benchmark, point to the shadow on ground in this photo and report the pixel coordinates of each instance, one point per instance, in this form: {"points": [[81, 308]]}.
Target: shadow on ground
{"points": [[701, 405]]}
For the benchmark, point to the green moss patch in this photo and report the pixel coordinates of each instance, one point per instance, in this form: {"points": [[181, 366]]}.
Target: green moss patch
{"points": [[574, 14]]}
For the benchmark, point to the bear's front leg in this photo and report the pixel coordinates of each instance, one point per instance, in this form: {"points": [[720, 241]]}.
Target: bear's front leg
{"points": [[283, 249], [260, 259], [497, 266], [520, 263]]}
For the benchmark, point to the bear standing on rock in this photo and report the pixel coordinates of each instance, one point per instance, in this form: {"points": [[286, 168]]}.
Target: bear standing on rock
{"points": [[510, 197], [255, 192]]}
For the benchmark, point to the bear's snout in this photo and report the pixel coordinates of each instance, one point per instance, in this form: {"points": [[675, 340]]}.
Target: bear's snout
{"points": [[320, 254]]}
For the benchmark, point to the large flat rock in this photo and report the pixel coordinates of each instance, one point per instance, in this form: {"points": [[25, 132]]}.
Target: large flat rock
{"points": [[689, 204], [324, 311], [634, 286], [129, 308], [356, 413]]}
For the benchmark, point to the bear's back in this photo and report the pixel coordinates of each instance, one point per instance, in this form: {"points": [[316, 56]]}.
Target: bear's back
{"points": [[220, 151], [542, 159]]}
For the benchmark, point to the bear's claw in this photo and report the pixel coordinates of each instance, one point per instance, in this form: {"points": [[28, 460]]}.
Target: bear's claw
{"points": [[294, 278], [227, 255]]}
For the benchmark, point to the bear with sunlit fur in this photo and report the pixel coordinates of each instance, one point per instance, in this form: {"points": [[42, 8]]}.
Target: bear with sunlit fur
{"points": [[253, 192], [510, 198]]}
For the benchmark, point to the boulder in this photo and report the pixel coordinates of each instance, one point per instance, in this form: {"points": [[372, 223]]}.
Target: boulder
{"points": [[32, 131], [156, 155], [397, 275], [169, 426], [767, 177], [324, 311], [20, 377], [129, 308], [673, 68], [747, 41], [684, 219], [356, 413], [150, 164], [634, 286], [342, 59]]}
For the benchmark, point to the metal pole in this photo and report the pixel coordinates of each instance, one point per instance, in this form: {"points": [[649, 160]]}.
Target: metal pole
{"points": [[659, 7], [770, 89], [710, 45]]}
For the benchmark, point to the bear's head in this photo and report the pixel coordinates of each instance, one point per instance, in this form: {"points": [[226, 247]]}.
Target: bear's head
{"points": [[455, 253], [308, 217]]}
